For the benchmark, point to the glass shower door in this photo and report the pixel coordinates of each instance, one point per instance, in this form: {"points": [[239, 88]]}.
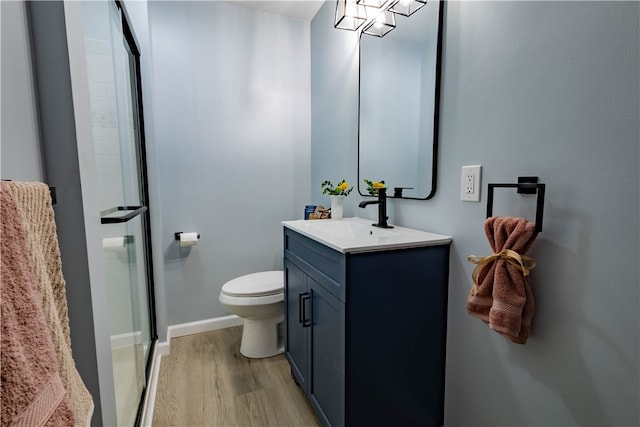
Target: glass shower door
{"points": [[128, 306], [112, 66]]}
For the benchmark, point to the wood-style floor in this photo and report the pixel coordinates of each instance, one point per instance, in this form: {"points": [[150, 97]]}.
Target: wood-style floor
{"points": [[205, 381]]}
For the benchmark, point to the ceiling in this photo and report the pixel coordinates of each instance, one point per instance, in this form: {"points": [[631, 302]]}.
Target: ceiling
{"points": [[299, 9]]}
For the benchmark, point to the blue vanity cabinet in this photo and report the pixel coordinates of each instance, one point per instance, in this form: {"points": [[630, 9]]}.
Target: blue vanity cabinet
{"points": [[315, 322], [366, 340], [297, 339]]}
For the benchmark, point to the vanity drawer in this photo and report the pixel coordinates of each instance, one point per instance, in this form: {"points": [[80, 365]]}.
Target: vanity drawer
{"points": [[325, 265]]}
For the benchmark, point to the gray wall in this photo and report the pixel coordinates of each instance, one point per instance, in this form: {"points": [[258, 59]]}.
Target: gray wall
{"points": [[540, 88], [20, 144], [334, 109], [231, 122]]}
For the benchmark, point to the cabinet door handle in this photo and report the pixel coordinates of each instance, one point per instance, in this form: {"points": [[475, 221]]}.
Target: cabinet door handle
{"points": [[303, 309], [300, 308]]}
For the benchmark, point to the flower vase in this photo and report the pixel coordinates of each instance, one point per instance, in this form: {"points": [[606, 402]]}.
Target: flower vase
{"points": [[337, 203]]}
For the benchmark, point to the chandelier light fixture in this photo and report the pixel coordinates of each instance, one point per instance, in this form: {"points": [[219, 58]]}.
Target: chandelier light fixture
{"points": [[376, 17], [407, 7], [384, 22]]}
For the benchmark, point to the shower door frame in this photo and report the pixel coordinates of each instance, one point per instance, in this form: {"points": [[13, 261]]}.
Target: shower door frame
{"points": [[129, 39]]}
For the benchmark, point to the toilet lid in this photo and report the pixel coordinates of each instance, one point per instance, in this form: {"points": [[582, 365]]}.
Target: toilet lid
{"points": [[255, 284]]}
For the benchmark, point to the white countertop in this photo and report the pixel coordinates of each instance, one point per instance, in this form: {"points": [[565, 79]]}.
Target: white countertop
{"points": [[356, 235]]}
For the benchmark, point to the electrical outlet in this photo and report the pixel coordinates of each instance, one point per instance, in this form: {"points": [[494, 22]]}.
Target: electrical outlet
{"points": [[470, 183]]}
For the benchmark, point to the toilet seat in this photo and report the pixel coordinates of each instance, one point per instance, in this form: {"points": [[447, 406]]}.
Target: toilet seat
{"points": [[265, 283]]}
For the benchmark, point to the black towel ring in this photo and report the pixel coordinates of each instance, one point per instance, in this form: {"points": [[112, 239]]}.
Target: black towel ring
{"points": [[525, 185]]}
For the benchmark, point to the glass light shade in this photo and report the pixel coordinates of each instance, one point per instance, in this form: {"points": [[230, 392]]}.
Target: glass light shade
{"points": [[372, 3], [407, 7], [381, 24], [349, 15]]}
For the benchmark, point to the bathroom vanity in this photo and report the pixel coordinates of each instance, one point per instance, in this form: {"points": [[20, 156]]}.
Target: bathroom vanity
{"points": [[365, 312]]}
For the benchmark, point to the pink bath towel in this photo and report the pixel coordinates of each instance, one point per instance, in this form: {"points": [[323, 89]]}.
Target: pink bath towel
{"points": [[501, 295], [32, 393], [33, 203]]}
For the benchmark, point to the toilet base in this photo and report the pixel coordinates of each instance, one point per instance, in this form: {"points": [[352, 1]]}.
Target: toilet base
{"points": [[262, 338]]}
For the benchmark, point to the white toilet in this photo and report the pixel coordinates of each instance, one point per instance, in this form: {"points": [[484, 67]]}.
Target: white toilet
{"points": [[259, 299]]}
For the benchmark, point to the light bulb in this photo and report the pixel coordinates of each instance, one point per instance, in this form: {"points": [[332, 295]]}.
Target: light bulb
{"points": [[351, 8], [379, 21]]}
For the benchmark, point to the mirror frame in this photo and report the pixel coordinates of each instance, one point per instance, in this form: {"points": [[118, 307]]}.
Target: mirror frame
{"points": [[436, 110]]}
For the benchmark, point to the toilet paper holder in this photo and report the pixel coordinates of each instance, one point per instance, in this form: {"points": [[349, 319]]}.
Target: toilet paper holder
{"points": [[178, 233]]}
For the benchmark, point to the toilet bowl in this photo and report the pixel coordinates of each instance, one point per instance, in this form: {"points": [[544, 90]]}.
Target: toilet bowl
{"points": [[259, 299]]}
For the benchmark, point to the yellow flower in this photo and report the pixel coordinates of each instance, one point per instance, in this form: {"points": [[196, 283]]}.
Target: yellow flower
{"points": [[342, 189], [374, 186]]}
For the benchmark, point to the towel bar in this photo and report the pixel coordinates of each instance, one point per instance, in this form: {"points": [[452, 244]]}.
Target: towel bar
{"points": [[52, 191], [525, 185]]}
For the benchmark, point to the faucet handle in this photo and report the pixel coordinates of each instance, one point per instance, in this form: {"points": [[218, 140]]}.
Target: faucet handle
{"points": [[397, 191]]}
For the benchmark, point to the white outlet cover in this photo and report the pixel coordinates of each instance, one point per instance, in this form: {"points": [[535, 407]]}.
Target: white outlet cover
{"points": [[471, 183]]}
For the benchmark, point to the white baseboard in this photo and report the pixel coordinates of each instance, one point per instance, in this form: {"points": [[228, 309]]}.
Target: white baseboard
{"points": [[164, 348], [200, 326]]}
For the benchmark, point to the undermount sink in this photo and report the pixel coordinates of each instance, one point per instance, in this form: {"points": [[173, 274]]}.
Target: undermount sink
{"points": [[352, 235]]}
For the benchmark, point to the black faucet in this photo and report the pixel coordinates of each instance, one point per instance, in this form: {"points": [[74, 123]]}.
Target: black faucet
{"points": [[382, 208]]}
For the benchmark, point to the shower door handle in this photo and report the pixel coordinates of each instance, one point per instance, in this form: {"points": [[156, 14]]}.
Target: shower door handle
{"points": [[132, 212], [302, 312]]}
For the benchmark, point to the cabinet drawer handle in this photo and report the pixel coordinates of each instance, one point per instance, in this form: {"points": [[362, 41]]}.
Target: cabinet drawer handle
{"points": [[303, 309]]}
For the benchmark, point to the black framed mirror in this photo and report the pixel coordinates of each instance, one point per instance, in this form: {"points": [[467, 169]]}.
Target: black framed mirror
{"points": [[398, 108]]}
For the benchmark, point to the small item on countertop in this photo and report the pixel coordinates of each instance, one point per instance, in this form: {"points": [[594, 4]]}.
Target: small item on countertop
{"points": [[320, 213], [308, 210]]}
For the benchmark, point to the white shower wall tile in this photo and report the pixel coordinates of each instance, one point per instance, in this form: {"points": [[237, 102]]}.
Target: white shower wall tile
{"points": [[102, 92], [119, 280]]}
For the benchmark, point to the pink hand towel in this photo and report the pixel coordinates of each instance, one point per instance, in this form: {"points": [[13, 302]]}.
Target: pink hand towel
{"points": [[501, 295]]}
